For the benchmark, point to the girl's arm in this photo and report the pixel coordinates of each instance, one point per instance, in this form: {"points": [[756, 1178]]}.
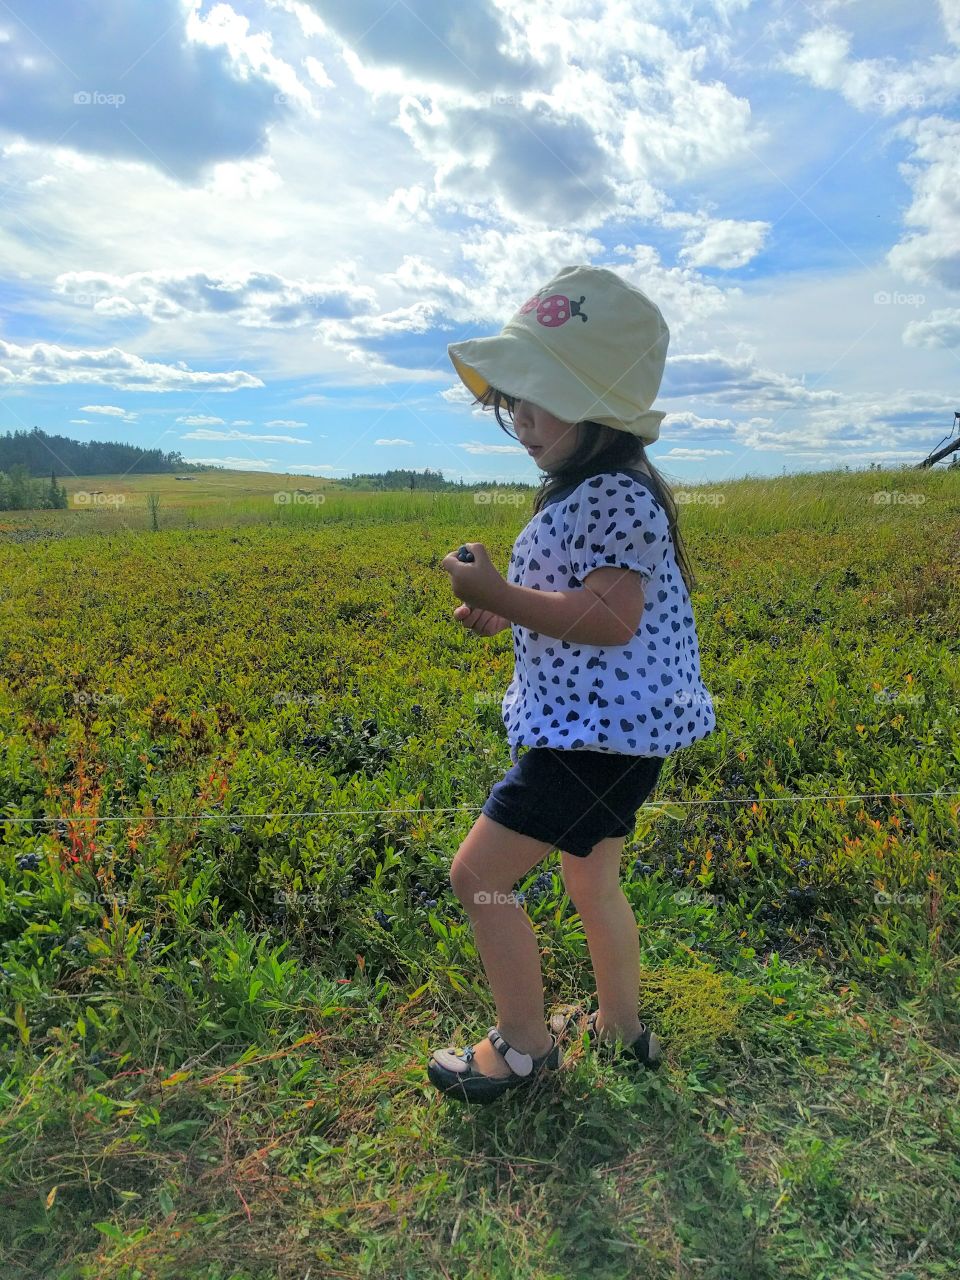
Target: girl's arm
{"points": [[579, 615]]}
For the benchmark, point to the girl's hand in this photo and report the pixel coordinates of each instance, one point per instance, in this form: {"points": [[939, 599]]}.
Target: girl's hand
{"points": [[476, 583], [481, 621]]}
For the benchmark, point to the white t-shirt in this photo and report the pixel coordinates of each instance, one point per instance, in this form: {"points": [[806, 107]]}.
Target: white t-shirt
{"points": [[644, 698]]}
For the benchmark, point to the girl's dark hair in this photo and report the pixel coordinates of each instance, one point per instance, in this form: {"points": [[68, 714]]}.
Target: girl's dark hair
{"points": [[601, 448]]}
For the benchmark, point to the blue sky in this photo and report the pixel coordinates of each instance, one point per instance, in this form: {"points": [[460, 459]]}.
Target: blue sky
{"points": [[247, 232]]}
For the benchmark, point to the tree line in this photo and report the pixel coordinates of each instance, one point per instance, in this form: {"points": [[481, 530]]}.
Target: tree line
{"points": [[29, 462], [39, 451]]}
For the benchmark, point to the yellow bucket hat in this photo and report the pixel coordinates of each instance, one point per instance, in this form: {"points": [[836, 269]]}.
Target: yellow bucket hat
{"points": [[587, 346]]}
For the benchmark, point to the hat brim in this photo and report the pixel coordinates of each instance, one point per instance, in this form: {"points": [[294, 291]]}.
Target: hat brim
{"points": [[516, 364]]}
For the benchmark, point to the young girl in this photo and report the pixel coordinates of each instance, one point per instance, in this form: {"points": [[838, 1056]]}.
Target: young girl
{"points": [[607, 678]]}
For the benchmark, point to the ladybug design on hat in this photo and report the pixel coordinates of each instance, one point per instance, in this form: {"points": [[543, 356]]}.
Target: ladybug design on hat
{"points": [[555, 310]]}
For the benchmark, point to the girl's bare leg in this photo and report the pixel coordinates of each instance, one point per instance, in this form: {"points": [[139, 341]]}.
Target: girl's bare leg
{"points": [[488, 865], [613, 936]]}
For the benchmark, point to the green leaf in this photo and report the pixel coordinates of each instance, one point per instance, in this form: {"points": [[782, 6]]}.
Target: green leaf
{"points": [[110, 1230]]}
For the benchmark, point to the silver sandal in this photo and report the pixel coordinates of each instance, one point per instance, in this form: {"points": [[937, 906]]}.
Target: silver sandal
{"points": [[454, 1073], [646, 1049]]}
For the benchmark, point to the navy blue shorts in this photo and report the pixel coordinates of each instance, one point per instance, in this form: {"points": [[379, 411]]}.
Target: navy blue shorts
{"points": [[573, 799]]}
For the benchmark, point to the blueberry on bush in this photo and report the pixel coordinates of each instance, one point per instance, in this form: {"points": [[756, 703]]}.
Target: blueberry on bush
{"points": [[28, 862], [540, 886]]}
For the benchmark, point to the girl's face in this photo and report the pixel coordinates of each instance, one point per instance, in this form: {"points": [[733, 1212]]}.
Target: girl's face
{"points": [[549, 440]]}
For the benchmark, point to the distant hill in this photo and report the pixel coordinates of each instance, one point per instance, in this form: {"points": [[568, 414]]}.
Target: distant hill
{"points": [[38, 452]]}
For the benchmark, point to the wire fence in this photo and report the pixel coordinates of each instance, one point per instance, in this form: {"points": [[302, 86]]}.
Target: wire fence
{"points": [[323, 813]]}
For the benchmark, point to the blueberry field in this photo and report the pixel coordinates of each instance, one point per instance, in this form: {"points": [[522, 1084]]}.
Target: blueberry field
{"points": [[242, 741]]}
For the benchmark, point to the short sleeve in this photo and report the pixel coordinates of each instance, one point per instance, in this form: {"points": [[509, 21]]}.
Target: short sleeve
{"points": [[615, 522]]}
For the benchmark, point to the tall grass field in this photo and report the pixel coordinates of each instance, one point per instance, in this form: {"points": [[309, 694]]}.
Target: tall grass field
{"points": [[242, 739]]}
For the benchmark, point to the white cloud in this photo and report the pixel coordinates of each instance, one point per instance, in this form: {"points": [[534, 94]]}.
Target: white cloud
{"points": [[686, 421], [691, 455], [933, 253], [872, 84], [251, 299], [725, 243], [250, 53], [737, 380], [427, 41], [109, 410], [318, 73], [206, 433], [950, 17], [529, 160], [604, 105], [486, 446], [938, 329], [704, 127], [855, 424], [44, 363], [153, 95]]}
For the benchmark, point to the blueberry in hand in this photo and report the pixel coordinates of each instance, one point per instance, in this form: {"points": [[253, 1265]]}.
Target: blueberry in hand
{"points": [[465, 555]]}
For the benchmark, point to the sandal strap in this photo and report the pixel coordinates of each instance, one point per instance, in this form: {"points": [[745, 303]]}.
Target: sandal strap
{"points": [[521, 1064]]}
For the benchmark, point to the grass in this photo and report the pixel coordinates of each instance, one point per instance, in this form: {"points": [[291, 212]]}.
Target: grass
{"points": [[215, 1018]]}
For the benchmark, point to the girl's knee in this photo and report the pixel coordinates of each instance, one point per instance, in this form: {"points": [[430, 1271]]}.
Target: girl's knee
{"points": [[471, 888], [463, 881], [595, 877]]}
